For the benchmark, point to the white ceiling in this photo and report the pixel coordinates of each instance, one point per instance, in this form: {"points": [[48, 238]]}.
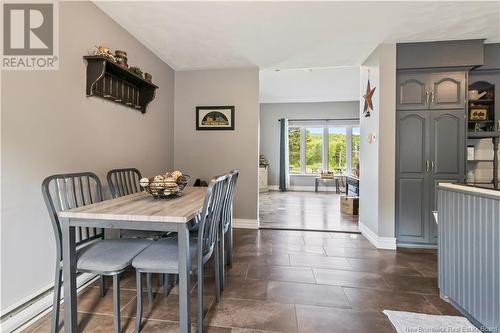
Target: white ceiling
{"points": [[270, 35], [316, 85]]}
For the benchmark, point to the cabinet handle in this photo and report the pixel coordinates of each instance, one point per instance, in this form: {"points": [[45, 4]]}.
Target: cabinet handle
{"points": [[427, 166], [426, 97], [432, 97], [432, 165]]}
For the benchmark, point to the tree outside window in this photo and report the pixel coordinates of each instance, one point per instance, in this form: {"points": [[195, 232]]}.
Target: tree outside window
{"points": [[294, 149]]}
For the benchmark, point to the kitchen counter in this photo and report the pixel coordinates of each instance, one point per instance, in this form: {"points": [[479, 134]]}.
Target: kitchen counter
{"points": [[469, 251], [473, 189]]}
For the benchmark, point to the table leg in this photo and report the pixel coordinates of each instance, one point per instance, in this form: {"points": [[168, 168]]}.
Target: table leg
{"points": [[316, 185], [184, 280], [69, 270]]}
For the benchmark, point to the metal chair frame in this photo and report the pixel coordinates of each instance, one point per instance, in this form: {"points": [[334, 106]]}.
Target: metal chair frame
{"points": [[226, 247], [208, 234], [125, 181], [82, 185]]}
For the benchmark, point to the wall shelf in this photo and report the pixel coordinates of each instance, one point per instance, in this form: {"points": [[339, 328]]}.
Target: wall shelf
{"points": [[108, 80]]}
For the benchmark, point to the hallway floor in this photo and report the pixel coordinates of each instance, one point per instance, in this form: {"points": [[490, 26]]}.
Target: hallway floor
{"points": [[288, 281], [304, 211]]}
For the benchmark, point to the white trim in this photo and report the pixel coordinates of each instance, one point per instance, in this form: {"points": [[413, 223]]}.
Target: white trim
{"points": [[386, 243], [273, 187], [33, 312], [245, 223]]}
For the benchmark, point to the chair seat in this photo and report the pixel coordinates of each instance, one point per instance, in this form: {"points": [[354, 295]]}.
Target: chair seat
{"points": [[110, 255], [163, 256]]}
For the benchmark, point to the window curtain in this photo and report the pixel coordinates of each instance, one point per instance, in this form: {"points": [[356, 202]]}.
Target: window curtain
{"points": [[284, 177]]}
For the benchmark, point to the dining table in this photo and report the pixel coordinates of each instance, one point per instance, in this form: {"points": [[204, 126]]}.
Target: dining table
{"points": [[138, 211]]}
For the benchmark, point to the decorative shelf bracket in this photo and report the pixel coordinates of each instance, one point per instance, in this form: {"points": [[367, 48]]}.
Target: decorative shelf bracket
{"points": [[108, 80]]}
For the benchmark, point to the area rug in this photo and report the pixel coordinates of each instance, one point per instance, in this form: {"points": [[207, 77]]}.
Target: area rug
{"points": [[407, 322]]}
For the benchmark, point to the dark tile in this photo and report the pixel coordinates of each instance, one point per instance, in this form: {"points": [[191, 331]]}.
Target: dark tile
{"points": [[275, 259], [165, 308], [90, 300], [259, 315], [381, 267], [412, 284], [305, 293], [294, 248], [362, 253], [162, 326], [237, 287], [377, 300], [281, 273], [442, 306], [87, 323], [333, 320], [349, 278], [319, 261]]}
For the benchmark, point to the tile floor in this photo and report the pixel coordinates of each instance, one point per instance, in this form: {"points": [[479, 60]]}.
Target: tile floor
{"points": [[305, 211], [288, 281]]}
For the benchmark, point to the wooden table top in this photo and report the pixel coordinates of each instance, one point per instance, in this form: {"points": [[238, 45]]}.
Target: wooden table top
{"points": [[143, 207]]}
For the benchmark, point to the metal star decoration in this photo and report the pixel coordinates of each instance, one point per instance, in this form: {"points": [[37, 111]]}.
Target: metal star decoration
{"points": [[368, 100]]}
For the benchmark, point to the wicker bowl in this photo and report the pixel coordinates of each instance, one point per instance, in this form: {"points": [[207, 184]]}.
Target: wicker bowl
{"points": [[163, 189]]}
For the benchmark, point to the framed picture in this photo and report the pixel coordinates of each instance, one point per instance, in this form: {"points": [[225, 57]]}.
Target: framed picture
{"points": [[478, 113], [214, 118]]}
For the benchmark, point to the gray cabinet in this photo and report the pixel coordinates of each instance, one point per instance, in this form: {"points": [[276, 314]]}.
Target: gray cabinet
{"points": [[422, 90], [411, 91], [412, 177], [430, 149], [447, 90]]}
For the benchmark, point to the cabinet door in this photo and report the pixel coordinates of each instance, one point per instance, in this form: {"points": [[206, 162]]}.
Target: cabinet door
{"points": [[411, 91], [447, 90], [412, 177], [447, 154]]}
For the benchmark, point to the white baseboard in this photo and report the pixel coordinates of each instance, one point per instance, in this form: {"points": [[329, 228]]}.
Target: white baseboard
{"points": [[39, 308], [386, 243], [245, 223]]}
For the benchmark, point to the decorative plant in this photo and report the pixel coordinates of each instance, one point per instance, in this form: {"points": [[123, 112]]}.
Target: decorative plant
{"points": [[136, 70]]}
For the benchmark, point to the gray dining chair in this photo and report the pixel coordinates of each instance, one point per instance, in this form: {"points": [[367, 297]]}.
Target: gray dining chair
{"points": [[162, 256], [94, 254], [226, 235], [125, 181]]}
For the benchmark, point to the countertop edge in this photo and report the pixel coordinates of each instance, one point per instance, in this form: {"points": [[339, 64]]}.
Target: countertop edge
{"points": [[470, 189]]}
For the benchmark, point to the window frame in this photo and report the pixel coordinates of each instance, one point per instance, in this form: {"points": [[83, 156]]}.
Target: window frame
{"points": [[348, 125]]}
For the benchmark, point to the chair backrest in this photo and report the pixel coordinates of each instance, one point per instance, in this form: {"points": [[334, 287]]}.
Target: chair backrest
{"points": [[124, 181], [67, 191], [227, 209], [210, 218]]}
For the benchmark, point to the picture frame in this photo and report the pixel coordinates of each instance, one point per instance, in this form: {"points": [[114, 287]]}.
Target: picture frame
{"points": [[210, 118], [478, 113]]}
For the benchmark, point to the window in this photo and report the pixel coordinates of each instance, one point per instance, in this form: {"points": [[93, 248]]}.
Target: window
{"points": [[355, 151], [323, 147], [337, 149], [314, 150], [294, 149]]}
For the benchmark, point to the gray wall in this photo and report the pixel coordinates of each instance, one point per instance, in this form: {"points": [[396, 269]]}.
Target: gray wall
{"points": [[49, 126], [269, 128], [204, 154]]}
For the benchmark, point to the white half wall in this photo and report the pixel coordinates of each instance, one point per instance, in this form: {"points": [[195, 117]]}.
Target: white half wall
{"points": [[377, 159], [204, 154]]}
